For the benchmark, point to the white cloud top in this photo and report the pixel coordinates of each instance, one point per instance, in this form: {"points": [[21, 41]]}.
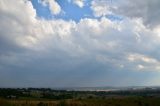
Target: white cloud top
{"points": [[53, 6], [101, 7], [79, 3]]}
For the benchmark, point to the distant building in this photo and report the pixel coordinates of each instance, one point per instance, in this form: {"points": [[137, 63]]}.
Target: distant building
{"points": [[12, 97]]}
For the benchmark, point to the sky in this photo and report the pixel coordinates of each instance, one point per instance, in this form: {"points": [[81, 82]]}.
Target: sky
{"points": [[79, 43]]}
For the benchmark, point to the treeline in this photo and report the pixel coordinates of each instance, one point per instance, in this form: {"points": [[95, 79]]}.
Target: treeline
{"points": [[47, 93], [37, 93]]}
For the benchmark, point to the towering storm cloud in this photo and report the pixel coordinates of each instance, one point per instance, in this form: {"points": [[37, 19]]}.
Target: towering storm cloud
{"points": [[66, 43]]}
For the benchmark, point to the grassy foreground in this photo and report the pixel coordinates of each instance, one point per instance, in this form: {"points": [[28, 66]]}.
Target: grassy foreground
{"points": [[124, 101]]}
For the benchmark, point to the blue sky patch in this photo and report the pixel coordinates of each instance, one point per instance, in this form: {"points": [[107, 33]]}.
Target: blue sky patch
{"points": [[70, 11]]}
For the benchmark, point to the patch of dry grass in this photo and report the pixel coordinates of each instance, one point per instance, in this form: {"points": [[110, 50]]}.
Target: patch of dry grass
{"points": [[128, 101]]}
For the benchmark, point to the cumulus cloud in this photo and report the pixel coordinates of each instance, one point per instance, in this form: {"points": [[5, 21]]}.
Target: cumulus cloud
{"points": [[147, 10], [12, 22], [52, 49], [143, 62], [79, 3], [53, 6], [101, 7]]}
